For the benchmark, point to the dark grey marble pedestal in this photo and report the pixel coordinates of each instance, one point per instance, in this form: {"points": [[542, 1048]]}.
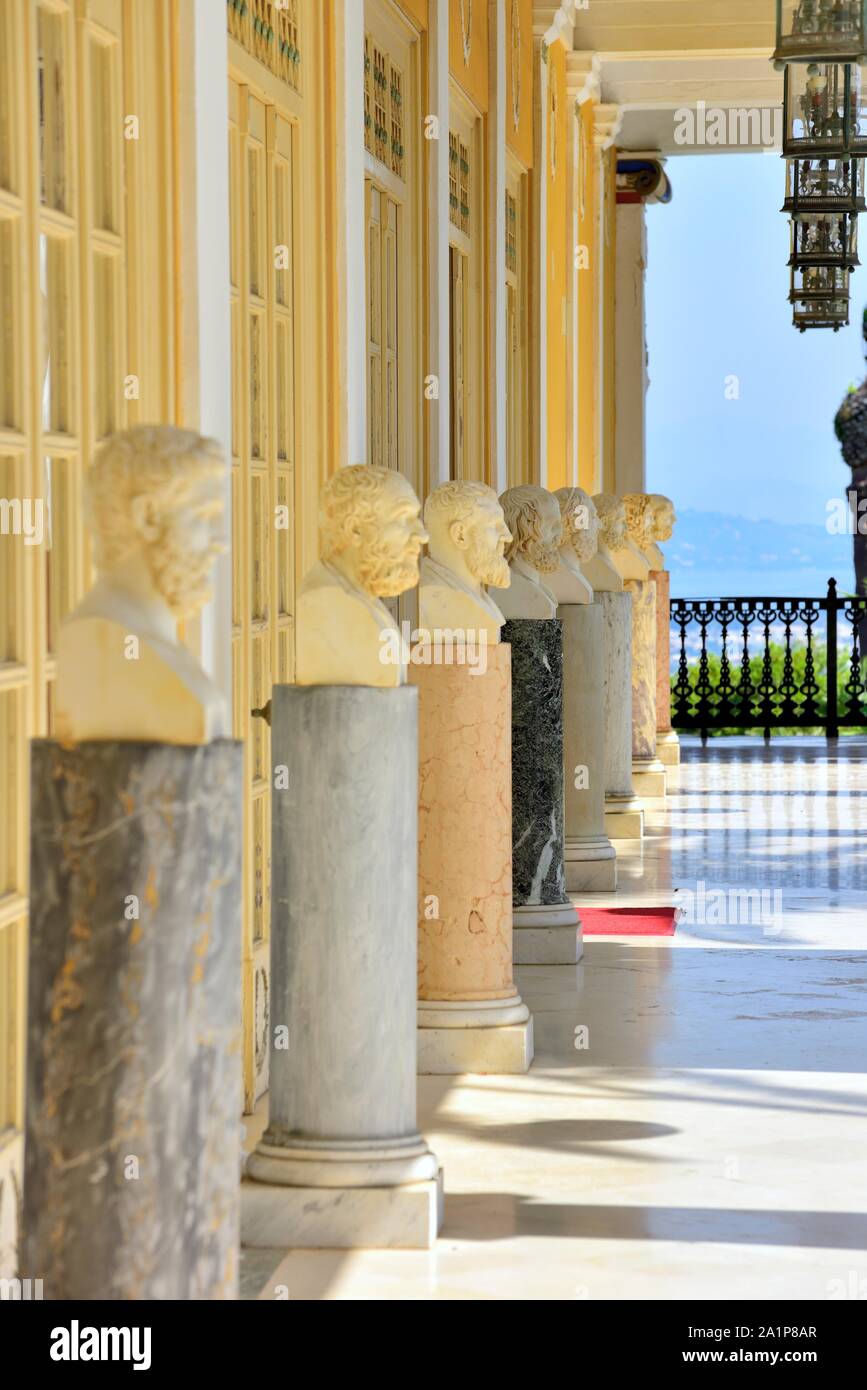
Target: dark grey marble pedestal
{"points": [[132, 1152], [547, 930]]}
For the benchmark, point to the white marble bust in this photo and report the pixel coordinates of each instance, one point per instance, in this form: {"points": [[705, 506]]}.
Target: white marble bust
{"points": [[600, 569], [629, 558], [580, 543], [370, 540], [533, 518], [466, 551], [154, 500], [663, 522], [641, 525]]}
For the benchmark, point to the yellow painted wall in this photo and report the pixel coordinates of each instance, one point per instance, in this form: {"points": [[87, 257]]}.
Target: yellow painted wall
{"points": [[556, 173], [608, 320], [519, 79], [472, 75], [417, 10], [588, 306]]}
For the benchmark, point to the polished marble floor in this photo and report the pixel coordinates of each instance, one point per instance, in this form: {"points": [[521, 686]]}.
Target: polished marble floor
{"points": [[703, 1133]]}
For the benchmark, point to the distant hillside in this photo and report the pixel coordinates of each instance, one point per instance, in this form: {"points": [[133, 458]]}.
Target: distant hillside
{"points": [[712, 555]]}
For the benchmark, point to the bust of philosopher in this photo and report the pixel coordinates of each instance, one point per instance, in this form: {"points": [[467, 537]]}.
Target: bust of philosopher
{"points": [[533, 518], [466, 551], [370, 536], [154, 500], [580, 543]]}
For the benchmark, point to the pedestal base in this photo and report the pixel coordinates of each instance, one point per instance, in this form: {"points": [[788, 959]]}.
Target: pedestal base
{"points": [[335, 1218], [624, 818], [590, 866], [547, 934], [504, 1050], [668, 749], [648, 779]]}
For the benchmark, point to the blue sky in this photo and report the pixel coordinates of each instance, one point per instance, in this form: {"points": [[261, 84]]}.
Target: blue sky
{"points": [[717, 284]]}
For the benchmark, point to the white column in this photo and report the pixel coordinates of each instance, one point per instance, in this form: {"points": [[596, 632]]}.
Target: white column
{"points": [[631, 370], [539, 322], [439, 363], [204, 260], [351, 390], [497, 242]]}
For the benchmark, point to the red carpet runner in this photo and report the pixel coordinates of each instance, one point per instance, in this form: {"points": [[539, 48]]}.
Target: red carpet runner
{"points": [[628, 921]]}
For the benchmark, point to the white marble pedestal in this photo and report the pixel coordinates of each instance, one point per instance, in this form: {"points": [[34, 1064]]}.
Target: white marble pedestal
{"points": [[342, 1162], [624, 813], [589, 858]]}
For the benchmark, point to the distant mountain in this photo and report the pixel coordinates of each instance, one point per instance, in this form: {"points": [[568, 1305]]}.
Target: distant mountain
{"points": [[713, 555]]}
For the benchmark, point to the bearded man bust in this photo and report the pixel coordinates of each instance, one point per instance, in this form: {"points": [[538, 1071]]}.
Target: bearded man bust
{"points": [[579, 544], [468, 539], [154, 501], [370, 540], [533, 516]]}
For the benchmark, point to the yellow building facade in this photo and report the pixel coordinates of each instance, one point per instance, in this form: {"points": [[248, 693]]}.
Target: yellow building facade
{"points": [[358, 231]]}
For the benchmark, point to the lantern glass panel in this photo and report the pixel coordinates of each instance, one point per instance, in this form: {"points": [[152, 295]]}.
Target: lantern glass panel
{"points": [[828, 184], [833, 30], [824, 238], [856, 139], [821, 313], [818, 282], [816, 109]]}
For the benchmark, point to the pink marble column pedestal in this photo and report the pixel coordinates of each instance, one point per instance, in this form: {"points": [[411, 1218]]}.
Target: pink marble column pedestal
{"points": [[667, 741], [470, 1015], [648, 773]]}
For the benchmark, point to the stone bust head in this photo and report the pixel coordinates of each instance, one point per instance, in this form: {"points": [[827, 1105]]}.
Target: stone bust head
{"points": [[468, 534], [664, 517], [639, 518], [370, 529], [611, 511], [533, 517], [581, 524], [154, 502]]}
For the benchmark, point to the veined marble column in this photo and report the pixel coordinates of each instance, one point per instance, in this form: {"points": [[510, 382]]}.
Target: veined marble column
{"points": [[470, 1015], [342, 1163], [648, 773], [547, 929], [667, 741], [132, 1150], [624, 815], [590, 861]]}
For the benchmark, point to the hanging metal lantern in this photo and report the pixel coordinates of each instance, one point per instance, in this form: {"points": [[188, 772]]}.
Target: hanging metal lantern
{"points": [[833, 31], [821, 313], [830, 184], [820, 297], [824, 110], [824, 239]]}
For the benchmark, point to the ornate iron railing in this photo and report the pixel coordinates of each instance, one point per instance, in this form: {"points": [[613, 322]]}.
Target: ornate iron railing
{"points": [[747, 694]]}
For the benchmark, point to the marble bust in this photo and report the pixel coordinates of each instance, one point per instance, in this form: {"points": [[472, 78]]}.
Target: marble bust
{"points": [[533, 518], [154, 500], [600, 568], [663, 522], [370, 540], [580, 542], [629, 559], [641, 526], [466, 551]]}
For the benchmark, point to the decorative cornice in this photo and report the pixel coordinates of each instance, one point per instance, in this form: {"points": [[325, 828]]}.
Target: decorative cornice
{"points": [[607, 120], [582, 77], [555, 23]]}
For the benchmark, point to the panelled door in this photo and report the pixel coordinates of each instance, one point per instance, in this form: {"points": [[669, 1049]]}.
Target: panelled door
{"points": [[263, 138], [393, 250], [466, 297], [86, 347]]}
